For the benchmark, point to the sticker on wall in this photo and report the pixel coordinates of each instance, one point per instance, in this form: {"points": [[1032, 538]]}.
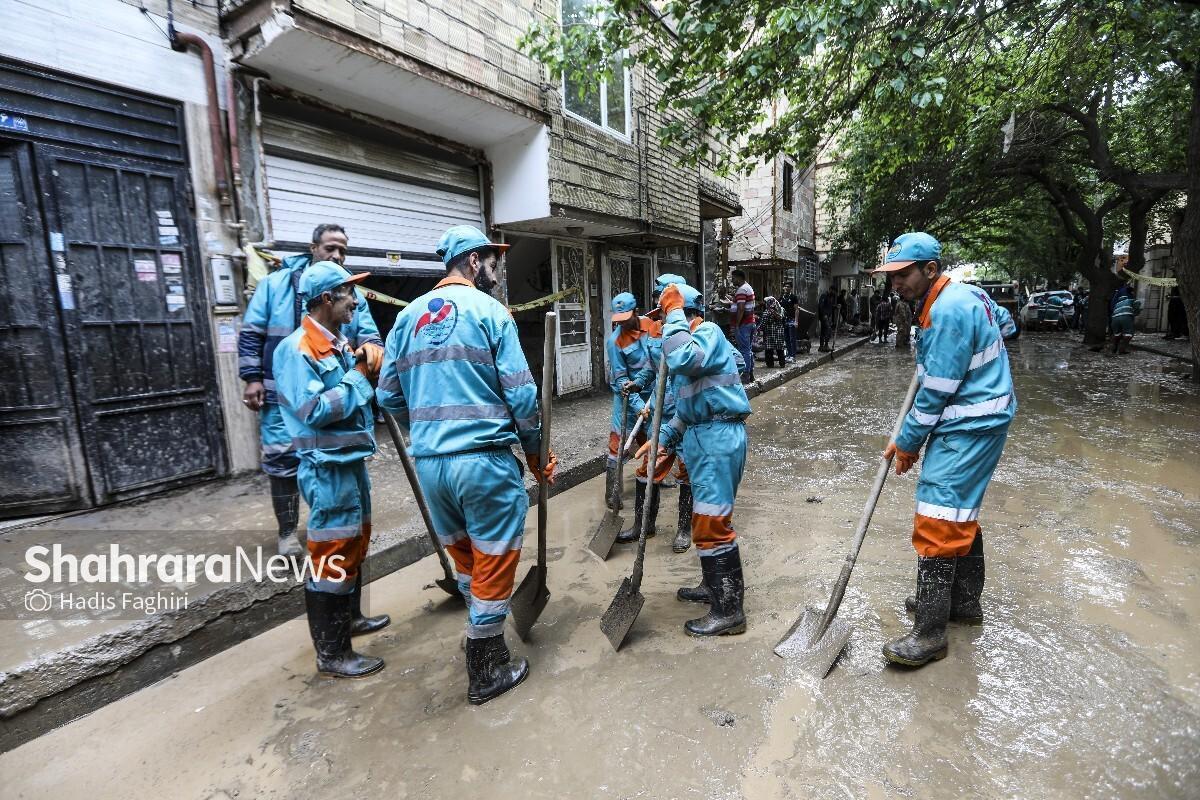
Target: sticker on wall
{"points": [[171, 263], [146, 269], [168, 234], [11, 122], [393, 259], [57, 245], [176, 301], [66, 293], [226, 337], [164, 217]]}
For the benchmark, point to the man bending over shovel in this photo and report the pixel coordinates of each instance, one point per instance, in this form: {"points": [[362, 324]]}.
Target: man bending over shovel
{"points": [[454, 373], [710, 412], [961, 414]]}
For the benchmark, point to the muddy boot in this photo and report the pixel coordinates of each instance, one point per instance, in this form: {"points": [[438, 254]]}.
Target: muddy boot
{"points": [[723, 577], [965, 607], [694, 594], [285, 499], [360, 624], [683, 533], [630, 534], [610, 481], [487, 676], [927, 640], [329, 620]]}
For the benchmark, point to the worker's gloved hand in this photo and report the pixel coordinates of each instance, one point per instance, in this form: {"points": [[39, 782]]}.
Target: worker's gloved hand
{"points": [[534, 460], [904, 459], [371, 355], [670, 299], [254, 395], [630, 387], [645, 412]]}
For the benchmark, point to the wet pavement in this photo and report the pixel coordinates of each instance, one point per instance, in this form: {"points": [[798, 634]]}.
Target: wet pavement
{"points": [[1084, 681]]}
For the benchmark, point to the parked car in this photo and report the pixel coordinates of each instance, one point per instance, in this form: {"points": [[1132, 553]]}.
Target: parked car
{"points": [[1053, 310]]}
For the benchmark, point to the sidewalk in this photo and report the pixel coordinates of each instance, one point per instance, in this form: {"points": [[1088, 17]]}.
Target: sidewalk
{"points": [[1172, 348], [53, 670]]}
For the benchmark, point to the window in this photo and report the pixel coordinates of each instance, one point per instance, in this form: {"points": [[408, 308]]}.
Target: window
{"points": [[605, 103], [787, 186]]}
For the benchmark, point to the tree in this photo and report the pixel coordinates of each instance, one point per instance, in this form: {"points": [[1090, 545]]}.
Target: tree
{"points": [[1073, 69]]}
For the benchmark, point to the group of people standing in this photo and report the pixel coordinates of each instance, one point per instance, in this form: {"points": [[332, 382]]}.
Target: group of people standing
{"points": [[453, 374]]}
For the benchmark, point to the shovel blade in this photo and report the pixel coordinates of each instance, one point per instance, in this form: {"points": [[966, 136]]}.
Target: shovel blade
{"points": [[621, 614], [528, 602], [815, 654], [606, 533], [449, 586]]}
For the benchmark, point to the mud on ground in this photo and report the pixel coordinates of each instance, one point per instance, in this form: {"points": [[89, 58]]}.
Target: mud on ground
{"points": [[1083, 682]]}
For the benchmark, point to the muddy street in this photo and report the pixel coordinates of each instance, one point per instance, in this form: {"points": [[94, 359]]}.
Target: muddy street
{"points": [[1084, 680]]}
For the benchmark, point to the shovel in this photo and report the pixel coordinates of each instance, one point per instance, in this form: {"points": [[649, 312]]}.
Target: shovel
{"points": [[529, 600], [627, 604], [637, 426], [448, 584], [817, 639], [606, 532]]}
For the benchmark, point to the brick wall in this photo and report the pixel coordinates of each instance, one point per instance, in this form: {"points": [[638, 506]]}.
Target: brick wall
{"points": [[590, 169]]}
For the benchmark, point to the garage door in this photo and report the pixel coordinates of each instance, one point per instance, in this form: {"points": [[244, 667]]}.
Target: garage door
{"points": [[394, 202]]}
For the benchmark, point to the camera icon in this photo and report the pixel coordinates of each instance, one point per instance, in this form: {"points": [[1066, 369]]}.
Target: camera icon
{"points": [[38, 600]]}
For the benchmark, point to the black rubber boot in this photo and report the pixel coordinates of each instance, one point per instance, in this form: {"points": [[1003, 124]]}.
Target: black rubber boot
{"points": [[489, 677], [694, 594], [723, 577], [610, 481], [360, 624], [927, 640], [630, 534], [285, 500], [329, 620], [683, 533], [965, 607]]}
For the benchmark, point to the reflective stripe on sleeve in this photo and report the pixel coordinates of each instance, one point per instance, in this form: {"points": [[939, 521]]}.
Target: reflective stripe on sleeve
{"points": [[989, 353], [947, 385], [516, 379], [995, 405]]}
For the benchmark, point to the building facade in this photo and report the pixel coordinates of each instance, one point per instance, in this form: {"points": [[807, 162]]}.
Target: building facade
{"points": [[773, 240], [142, 168]]}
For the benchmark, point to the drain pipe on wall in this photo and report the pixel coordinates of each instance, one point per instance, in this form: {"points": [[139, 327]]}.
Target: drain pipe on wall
{"points": [[180, 43]]}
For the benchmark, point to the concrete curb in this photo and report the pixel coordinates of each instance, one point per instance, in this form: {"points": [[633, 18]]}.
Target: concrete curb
{"points": [[1159, 352], [56, 688]]}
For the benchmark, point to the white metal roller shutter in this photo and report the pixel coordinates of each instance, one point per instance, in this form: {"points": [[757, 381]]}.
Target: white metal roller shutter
{"points": [[388, 201]]}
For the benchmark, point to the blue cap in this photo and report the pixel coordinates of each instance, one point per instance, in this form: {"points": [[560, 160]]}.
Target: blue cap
{"points": [[691, 297], [623, 306], [909, 248], [463, 239], [325, 276], [663, 281]]}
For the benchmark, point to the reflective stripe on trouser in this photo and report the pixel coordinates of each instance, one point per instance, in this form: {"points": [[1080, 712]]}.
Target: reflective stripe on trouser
{"points": [[716, 457], [278, 455], [478, 504], [339, 522], [614, 443], [955, 474], [681, 473]]}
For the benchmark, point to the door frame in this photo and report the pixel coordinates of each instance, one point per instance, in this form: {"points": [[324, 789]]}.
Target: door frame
{"points": [[581, 304], [50, 306], [197, 290]]}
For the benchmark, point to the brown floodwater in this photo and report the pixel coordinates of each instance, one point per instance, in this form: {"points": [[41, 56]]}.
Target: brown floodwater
{"points": [[1084, 680]]}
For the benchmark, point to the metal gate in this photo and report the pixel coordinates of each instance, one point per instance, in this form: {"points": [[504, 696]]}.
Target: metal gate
{"points": [[118, 379]]}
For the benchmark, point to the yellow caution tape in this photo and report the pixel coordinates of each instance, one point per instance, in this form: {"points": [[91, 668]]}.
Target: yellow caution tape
{"points": [[547, 300], [380, 297], [258, 271], [1151, 280]]}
